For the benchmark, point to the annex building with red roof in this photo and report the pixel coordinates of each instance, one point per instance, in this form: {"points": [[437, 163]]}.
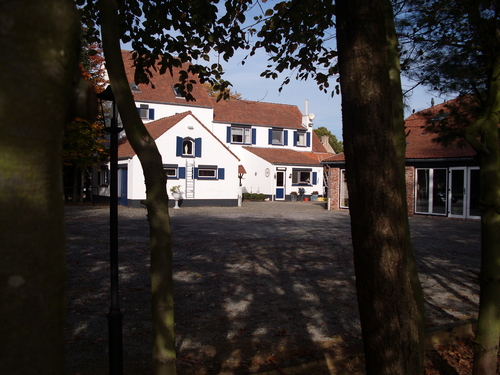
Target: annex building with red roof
{"points": [[216, 151], [440, 180]]}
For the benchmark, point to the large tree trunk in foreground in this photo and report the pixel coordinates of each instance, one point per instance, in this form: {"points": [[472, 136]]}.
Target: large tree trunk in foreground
{"points": [[39, 73], [156, 201], [488, 329], [387, 293]]}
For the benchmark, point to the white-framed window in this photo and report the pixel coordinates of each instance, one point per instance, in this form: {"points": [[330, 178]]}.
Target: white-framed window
{"points": [[177, 92], [301, 139], [301, 176], [170, 172], [207, 172], [240, 135], [103, 175], [344, 192], [277, 137], [144, 111]]}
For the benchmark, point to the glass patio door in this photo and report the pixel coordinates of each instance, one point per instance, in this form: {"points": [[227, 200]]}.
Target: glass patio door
{"points": [[457, 192]]}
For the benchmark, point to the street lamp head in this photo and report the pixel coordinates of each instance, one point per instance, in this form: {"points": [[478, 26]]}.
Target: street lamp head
{"points": [[107, 94]]}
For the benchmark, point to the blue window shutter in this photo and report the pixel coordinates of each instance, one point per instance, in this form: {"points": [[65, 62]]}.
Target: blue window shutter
{"points": [[285, 136], [295, 135], [197, 147], [139, 110], [195, 173], [220, 173], [182, 172], [270, 136], [151, 113], [254, 136], [315, 178], [308, 139], [228, 137], [178, 151]]}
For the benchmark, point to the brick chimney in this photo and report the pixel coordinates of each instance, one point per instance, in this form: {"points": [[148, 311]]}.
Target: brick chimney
{"points": [[325, 140]]}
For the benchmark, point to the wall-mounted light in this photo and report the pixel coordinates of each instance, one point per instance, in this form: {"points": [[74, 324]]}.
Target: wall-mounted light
{"points": [[290, 176]]}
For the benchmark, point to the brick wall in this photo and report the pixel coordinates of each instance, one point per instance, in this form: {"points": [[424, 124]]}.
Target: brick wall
{"points": [[334, 188], [410, 189]]}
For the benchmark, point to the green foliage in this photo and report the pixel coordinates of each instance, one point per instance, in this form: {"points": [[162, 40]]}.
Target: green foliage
{"points": [[449, 46], [297, 35], [253, 196], [337, 145]]}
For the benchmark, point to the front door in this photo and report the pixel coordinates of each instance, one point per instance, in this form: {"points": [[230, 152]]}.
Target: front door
{"points": [[280, 185], [122, 187]]}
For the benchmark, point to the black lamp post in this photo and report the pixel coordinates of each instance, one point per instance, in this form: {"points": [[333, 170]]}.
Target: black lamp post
{"points": [[115, 316]]}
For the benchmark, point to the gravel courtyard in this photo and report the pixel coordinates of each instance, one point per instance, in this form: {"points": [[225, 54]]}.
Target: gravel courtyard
{"points": [[252, 281]]}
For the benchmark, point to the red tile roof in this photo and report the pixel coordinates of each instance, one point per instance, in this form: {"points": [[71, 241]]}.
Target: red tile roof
{"points": [[163, 91], [235, 111], [155, 129], [283, 156], [158, 128], [420, 143]]}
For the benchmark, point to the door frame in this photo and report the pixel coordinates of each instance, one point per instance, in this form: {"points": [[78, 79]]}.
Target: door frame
{"points": [[466, 197], [280, 190]]}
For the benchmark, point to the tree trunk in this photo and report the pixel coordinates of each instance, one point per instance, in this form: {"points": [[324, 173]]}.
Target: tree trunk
{"points": [[488, 329], [157, 200], [39, 42], [390, 316]]}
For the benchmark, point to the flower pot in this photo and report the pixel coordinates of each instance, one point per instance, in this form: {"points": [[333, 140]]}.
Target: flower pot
{"points": [[176, 196]]}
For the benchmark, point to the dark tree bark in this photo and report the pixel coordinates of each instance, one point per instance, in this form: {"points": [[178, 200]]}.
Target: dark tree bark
{"points": [[39, 73], [162, 305], [387, 289], [488, 328]]}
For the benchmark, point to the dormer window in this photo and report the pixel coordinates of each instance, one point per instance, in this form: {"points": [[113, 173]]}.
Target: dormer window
{"points": [[177, 92], [134, 87]]}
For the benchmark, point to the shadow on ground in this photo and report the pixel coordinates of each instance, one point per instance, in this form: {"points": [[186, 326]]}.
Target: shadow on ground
{"points": [[250, 282]]}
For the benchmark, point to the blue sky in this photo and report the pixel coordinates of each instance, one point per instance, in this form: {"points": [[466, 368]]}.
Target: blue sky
{"points": [[246, 80], [327, 110]]}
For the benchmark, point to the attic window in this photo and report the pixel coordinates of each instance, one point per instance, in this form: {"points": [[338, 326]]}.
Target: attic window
{"points": [[440, 117], [177, 92], [134, 87]]}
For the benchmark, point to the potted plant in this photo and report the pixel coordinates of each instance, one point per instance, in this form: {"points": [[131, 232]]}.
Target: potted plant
{"points": [[314, 196], [176, 193]]}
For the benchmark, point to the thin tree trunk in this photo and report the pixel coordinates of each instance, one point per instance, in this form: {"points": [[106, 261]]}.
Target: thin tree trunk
{"points": [[390, 315], [162, 307], [39, 70], [488, 329]]}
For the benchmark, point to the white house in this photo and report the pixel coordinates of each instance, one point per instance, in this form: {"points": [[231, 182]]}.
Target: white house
{"points": [[217, 150]]}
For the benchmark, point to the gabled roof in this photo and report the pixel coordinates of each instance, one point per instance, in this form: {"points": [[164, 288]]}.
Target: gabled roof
{"points": [[163, 91], [283, 156], [159, 127], [246, 112]]}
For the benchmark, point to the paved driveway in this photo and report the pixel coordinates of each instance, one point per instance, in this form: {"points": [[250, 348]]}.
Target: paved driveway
{"points": [[255, 280]]}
